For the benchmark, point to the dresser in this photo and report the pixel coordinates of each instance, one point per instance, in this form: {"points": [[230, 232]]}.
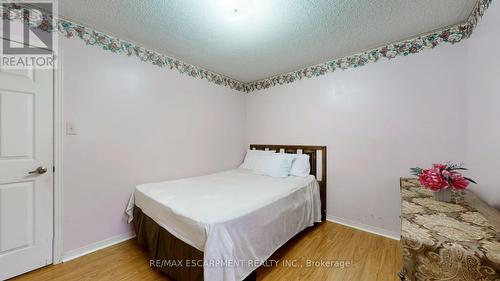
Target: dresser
{"points": [[448, 241]]}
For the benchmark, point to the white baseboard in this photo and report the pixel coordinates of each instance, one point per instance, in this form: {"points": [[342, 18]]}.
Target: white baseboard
{"points": [[365, 227], [73, 254]]}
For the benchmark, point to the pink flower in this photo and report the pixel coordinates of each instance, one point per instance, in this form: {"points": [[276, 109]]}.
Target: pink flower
{"points": [[446, 174], [442, 176], [439, 166], [433, 179], [458, 181]]}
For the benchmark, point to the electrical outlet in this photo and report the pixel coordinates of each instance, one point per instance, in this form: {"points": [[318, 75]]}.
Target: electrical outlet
{"points": [[70, 128]]}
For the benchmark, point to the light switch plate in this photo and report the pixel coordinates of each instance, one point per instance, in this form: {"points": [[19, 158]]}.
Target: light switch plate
{"points": [[70, 128]]}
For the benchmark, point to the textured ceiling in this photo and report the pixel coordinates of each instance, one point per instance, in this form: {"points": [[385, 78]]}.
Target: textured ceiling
{"points": [[263, 38]]}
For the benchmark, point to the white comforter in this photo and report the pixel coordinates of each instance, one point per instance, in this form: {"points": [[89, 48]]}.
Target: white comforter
{"points": [[238, 219]]}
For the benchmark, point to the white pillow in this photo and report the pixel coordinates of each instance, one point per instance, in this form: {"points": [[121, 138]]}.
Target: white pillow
{"points": [[275, 165], [301, 166], [254, 156]]}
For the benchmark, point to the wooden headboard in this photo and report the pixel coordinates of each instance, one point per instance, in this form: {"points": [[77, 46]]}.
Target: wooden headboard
{"points": [[312, 151]]}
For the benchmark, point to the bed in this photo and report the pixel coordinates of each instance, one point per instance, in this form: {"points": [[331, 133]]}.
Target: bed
{"points": [[223, 226]]}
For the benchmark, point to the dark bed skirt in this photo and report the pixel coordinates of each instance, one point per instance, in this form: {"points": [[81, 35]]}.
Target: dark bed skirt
{"points": [[178, 260], [168, 254]]}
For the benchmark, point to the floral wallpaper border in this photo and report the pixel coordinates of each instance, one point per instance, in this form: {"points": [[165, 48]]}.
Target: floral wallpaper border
{"points": [[115, 45], [453, 34], [109, 43]]}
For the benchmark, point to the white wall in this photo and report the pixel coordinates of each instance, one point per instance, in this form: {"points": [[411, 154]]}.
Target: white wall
{"points": [[377, 121], [483, 106], [136, 123]]}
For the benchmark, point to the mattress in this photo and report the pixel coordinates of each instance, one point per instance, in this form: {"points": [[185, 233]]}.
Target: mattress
{"points": [[238, 219]]}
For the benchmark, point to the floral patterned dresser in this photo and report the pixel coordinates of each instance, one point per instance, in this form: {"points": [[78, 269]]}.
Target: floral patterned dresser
{"points": [[448, 241]]}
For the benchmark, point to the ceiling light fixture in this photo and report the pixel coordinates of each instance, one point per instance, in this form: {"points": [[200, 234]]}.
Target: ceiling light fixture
{"points": [[236, 9]]}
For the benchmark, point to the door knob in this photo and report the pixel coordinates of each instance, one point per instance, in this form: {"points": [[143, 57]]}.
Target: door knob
{"points": [[40, 170]]}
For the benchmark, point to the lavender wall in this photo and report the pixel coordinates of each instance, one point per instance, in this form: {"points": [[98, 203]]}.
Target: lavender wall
{"points": [[377, 121], [136, 123], [483, 106]]}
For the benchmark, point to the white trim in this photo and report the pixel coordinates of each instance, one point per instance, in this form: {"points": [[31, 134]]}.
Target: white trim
{"points": [[73, 254], [365, 227], [57, 246]]}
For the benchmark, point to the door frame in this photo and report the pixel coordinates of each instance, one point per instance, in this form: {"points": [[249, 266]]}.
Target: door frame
{"points": [[59, 128]]}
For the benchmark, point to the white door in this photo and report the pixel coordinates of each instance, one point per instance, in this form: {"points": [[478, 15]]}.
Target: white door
{"points": [[26, 222]]}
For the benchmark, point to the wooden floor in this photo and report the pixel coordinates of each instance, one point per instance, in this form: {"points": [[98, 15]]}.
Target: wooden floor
{"points": [[371, 258]]}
